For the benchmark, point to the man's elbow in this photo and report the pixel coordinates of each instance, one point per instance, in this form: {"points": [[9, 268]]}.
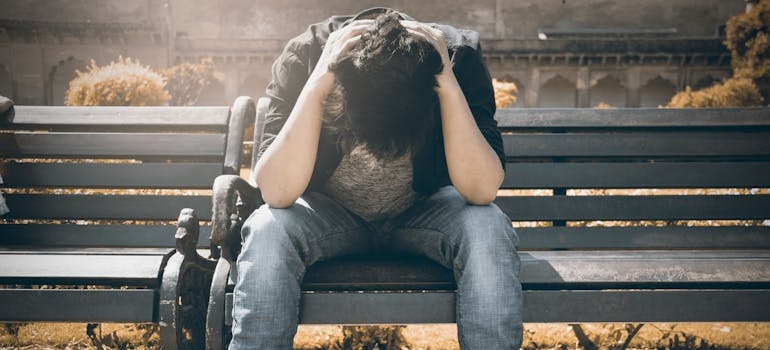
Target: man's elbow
{"points": [[479, 194], [278, 203], [277, 198], [485, 198]]}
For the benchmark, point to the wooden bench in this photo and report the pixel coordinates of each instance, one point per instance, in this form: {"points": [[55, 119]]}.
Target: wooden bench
{"points": [[94, 193], [608, 232]]}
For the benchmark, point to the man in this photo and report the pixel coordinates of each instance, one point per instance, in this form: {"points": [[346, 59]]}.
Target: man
{"points": [[379, 136]]}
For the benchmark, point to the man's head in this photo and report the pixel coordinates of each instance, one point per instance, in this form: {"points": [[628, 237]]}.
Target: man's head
{"points": [[385, 95]]}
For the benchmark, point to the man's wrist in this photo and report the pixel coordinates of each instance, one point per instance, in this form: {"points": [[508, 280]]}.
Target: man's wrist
{"points": [[447, 82], [322, 83]]}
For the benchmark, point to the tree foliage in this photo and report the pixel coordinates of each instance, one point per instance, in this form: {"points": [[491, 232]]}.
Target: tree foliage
{"points": [[505, 93], [186, 81], [748, 39], [121, 83], [735, 92]]}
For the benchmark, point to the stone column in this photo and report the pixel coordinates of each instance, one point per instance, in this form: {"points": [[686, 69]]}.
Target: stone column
{"points": [[583, 84], [232, 83], [531, 94], [633, 87]]}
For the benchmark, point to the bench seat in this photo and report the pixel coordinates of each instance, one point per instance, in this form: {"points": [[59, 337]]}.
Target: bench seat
{"points": [[621, 286]]}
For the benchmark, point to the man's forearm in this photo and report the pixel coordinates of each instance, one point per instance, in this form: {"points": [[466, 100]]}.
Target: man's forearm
{"points": [[284, 170], [473, 165]]}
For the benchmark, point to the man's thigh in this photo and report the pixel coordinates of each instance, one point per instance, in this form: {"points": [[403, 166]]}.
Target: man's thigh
{"points": [[438, 225], [316, 227]]}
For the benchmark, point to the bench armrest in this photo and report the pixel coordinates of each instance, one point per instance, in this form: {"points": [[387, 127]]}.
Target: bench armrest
{"points": [[233, 201]]}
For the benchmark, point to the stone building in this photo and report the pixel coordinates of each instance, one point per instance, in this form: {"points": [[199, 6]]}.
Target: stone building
{"points": [[560, 53]]}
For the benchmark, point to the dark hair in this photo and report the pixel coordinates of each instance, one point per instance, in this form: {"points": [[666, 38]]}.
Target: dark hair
{"points": [[384, 96]]}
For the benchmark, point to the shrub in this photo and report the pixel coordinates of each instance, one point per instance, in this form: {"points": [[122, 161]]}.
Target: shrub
{"points": [[186, 81], [121, 83], [604, 105], [748, 39], [735, 92], [505, 93]]}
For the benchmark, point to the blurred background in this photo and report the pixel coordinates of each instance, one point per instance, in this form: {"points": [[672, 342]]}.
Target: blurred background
{"points": [[557, 53]]}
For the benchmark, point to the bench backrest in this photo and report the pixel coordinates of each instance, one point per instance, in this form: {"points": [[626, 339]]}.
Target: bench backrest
{"points": [[125, 171], [634, 178], [638, 178]]}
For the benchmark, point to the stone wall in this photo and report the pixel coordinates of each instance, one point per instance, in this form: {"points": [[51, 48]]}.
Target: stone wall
{"points": [[42, 42], [494, 19]]}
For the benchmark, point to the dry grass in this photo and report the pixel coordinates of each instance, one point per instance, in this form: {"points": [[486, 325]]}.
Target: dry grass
{"points": [[747, 336]]}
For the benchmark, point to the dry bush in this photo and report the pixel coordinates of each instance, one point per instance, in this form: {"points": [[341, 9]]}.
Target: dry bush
{"points": [[735, 92], [186, 81], [748, 39], [604, 105], [505, 93], [121, 83], [373, 338]]}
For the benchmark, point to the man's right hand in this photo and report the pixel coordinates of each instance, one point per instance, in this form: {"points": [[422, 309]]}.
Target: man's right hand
{"points": [[339, 43]]}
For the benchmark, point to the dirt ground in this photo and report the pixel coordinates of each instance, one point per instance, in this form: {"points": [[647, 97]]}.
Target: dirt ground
{"points": [[732, 336]]}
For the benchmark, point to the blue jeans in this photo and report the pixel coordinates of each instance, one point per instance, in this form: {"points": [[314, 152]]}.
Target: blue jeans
{"points": [[477, 242]]}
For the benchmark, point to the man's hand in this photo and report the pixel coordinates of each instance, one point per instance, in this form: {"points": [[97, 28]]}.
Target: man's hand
{"points": [[432, 35], [339, 43]]}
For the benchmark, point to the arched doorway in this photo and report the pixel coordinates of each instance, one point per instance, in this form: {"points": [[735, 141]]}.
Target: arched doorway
{"points": [[608, 90], [656, 92], [60, 77], [558, 92]]}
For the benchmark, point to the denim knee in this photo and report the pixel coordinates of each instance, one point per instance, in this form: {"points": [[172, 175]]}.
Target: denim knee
{"points": [[486, 227], [270, 240]]}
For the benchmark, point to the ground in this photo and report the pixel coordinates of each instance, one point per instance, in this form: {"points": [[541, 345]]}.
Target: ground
{"points": [[733, 336]]}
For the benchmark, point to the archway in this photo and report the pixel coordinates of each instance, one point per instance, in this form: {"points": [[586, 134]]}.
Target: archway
{"points": [[608, 90], [60, 77], [656, 92], [558, 92]]}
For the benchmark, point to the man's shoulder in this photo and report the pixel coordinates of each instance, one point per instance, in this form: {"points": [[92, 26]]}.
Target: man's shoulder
{"points": [[458, 37], [318, 32]]}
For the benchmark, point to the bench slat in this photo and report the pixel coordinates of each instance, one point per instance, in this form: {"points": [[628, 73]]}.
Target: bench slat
{"points": [[637, 175], [101, 175], [676, 237], [129, 207], [645, 269], [177, 116], [667, 207], [640, 144], [557, 270], [93, 269], [103, 145], [541, 238], [540, 306], [94, 235], [631, 118], [36, 305]]}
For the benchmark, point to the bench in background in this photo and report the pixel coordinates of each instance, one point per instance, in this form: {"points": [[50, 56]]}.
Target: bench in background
{"points": [[94, 193], [588, 255]]}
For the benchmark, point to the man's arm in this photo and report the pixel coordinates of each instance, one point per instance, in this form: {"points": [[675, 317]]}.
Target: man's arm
{"points": [[475, 168], [286, 166], [473, 165]]}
